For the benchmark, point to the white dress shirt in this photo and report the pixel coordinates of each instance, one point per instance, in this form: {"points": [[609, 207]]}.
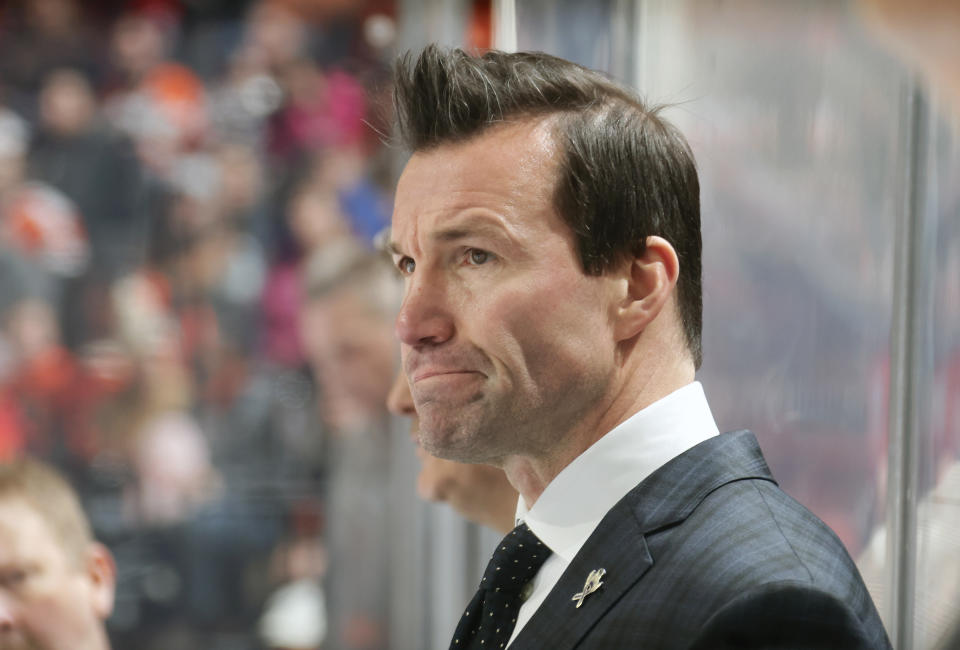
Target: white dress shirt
{"points": [[574, 502]]}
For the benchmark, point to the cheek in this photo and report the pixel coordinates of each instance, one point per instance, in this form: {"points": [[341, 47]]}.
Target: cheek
{"points": [[513, 320], [55, 620], [549, 328]]}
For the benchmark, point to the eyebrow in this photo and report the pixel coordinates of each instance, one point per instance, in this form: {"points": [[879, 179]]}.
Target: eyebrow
{"points": [[454, 234], [482, 226]]}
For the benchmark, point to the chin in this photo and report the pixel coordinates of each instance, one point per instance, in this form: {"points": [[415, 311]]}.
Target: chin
{"points": [[439, 448], [462, 439], [448, 445]]}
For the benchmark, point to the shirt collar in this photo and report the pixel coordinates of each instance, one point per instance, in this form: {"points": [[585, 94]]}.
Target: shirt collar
{"points": [[575, 501]]}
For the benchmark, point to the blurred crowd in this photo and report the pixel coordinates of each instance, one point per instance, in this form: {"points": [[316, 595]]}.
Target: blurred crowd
{"points": [[195, 324]]}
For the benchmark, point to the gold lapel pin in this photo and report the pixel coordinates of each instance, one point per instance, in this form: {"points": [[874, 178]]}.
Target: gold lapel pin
{"points": [[594, 582]]}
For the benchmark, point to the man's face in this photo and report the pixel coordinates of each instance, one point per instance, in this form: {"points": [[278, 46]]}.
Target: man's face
{"points": [[506, 342], [353, 354], [48, 600]]}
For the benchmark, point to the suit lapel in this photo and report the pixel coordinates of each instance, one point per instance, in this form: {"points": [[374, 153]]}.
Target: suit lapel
{"points": [[618, 544], [622, 551]]}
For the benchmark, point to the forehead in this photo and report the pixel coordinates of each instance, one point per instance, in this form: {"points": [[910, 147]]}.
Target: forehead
{"points": [[24, 533], [509, 170], [342, 310], [344, 320]]}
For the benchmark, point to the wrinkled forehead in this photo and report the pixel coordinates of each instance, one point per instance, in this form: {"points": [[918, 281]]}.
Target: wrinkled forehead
{"points": [[528, 144], [514, 163]]}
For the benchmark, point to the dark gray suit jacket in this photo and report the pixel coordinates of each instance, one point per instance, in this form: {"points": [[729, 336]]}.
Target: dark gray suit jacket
{"points": [[706, 553]]}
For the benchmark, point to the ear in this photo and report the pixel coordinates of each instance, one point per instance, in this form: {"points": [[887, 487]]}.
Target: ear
{"points": [[101, 571], [650, 280]]}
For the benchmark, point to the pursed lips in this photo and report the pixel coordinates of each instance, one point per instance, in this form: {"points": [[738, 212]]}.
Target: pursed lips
{"points": [[426, 374]]}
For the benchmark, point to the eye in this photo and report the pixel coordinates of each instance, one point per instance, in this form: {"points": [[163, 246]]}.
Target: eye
{"points": [[406, 265], [477, 256], [12, 578]]}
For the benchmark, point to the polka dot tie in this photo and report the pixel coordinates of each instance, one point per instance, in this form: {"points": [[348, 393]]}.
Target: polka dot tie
{"points": [[491, 615]]}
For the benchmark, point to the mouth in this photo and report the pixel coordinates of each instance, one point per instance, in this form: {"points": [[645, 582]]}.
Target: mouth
{"points": [[428, 374]]}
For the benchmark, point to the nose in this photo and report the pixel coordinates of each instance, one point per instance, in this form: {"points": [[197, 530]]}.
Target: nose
{"points": [[399, 400], [8, 617], [424, 317]]}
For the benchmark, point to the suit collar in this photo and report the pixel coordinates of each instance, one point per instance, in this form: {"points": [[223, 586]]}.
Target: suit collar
{"points": [[670, 494], [578, 498], [618, 544]]}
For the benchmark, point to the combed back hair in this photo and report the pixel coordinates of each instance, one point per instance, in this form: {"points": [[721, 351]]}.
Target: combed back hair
{"points": [[624, 173], [51, 497]]}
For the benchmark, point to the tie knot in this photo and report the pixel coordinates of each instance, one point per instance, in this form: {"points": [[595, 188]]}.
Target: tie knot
{"points": [[517, 559]]}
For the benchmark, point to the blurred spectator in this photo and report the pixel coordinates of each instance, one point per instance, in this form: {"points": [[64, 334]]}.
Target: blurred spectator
{"points": [[36, 219], [244, 100], [277, 33], [323, 110], [219, 267], [313, 220], [51, 396], [56, 582], [38, 37], [330, 200], [139, 43], [345, 172], [172, 462], [19, 281], [44, 224], [347, 333], [160, 103], [315, 216], [73, 151]]}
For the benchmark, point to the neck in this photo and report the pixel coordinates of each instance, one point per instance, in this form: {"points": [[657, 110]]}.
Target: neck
{"points": [[100, 641], [501, 517], [635, 387]]}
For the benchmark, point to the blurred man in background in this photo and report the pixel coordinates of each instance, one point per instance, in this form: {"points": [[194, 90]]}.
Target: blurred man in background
{"points": [[345, 330], [56, 582]]}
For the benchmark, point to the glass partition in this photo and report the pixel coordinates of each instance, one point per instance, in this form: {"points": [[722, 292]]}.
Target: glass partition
{"points": [[819, 149], [937, 587]]}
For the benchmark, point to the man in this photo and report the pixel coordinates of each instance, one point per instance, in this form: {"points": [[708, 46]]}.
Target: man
{"points": [[479, 493], [56, 582], [548, 228], [345, 332], [345, 328]]}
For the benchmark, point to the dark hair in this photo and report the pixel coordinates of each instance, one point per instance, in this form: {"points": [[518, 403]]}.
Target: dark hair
{"points": [[626, 173]]}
